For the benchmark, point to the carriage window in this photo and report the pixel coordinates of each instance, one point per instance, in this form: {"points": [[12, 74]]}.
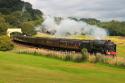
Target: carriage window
{"points": [[49, 42], [63, 43]]}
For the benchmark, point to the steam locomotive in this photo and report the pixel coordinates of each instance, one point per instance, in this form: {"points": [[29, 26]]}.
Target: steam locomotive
{"points": [[106, 47]]}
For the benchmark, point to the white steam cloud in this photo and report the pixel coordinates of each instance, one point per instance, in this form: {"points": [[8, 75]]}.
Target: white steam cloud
{"points": [[71, 27]]}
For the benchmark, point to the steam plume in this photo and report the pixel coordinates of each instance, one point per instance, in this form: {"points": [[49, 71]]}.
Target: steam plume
{"points": [[68, 26]]}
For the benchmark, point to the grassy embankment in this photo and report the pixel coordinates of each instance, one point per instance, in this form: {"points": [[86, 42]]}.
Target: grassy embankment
{"points": [[23, 68]]}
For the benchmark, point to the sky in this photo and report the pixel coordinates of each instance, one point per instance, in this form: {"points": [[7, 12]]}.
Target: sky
{"points": [[100, 9]]}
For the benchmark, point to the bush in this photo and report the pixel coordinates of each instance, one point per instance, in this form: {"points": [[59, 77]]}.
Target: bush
{"points": [[5, 43], [77, 58], [84, 54], [66, 56], [100, 58], [92, 59]]}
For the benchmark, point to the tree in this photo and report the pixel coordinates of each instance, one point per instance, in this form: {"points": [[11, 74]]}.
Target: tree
{"points": [[12, 15], [3, 26], [14, 19], [115, 28], [28, 28], [90, 21]]}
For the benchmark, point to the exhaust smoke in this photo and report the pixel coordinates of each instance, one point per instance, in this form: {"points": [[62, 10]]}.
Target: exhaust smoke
{"points": [[67, 26]]}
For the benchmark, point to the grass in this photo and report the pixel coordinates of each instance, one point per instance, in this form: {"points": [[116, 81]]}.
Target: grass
{"points": [[15, 68], [25, 68]]}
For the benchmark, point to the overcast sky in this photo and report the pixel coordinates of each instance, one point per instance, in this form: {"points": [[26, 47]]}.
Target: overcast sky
{"points": [[101, 9]]}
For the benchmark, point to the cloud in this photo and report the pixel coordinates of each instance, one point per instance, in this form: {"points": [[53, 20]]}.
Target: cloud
{"points": [[101, 9]]}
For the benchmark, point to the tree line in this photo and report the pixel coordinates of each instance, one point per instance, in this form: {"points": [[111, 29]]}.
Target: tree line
{"points": [[114, 27], [17, 14]]}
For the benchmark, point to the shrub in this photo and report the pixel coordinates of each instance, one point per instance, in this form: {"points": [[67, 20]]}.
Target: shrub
{"points": [[5, 43], [92, 59], [77, 58], [66, 56], [100, 58], [84, 54]]}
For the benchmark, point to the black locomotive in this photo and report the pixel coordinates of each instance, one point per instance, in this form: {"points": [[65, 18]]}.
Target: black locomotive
{"points": [[106, 47]]}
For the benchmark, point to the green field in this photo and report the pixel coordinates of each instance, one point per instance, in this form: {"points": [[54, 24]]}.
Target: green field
{"points": [[24, 68], [21, 68]]}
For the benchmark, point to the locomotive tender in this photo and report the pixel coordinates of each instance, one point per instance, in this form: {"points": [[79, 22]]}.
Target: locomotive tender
{"points": [[106, 47]]}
